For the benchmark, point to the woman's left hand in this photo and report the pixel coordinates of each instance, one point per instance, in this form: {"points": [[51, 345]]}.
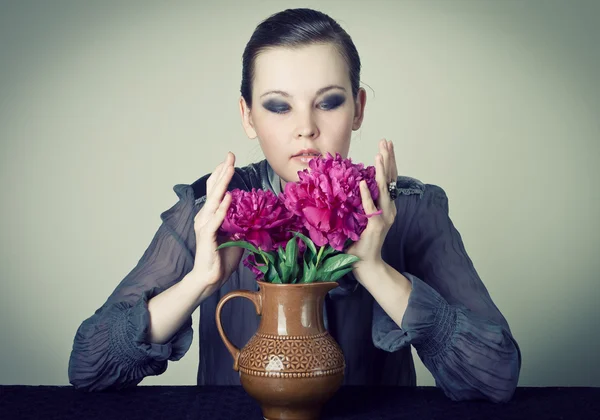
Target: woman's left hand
{"points": [[368, 247]]}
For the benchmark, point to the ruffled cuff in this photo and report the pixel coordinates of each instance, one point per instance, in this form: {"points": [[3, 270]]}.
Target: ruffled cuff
{"points": [[470, 357], [111, 349], [483, 361], [428, 323], [129, 335]]}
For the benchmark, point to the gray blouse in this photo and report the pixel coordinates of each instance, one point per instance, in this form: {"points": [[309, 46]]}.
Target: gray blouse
{"points": [[451, 320]]}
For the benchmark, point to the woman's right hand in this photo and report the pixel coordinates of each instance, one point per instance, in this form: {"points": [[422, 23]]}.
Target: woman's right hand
{"points": [[211, 266]]}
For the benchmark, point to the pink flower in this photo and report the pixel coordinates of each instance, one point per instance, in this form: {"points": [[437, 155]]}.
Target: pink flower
{"points": [[251, 263], [327, 199], [258, 217]]}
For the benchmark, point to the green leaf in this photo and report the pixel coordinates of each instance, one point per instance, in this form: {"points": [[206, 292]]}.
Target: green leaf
{"points": [[309, 243], [268, 257], [272, 276], [319, 255], [241, 244], [324, 252], [281, 254], [304, 272], [329, 250], [309, 273], [291, 252], [295, 275], [338, 274], [322, 275], [263, 268], [338, 262], [308, 255], [284, 271]]}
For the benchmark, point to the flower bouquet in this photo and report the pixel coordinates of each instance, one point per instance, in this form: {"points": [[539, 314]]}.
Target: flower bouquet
{"points": [[300, 235]]}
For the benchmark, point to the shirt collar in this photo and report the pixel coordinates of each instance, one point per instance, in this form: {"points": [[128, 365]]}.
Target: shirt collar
{"points": [[273, 180]]}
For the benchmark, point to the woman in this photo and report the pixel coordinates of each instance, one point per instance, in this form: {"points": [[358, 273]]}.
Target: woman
{"points": [[414, 283]]}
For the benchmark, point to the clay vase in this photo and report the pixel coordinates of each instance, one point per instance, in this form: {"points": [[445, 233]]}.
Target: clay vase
{"points": [[291, 365]]}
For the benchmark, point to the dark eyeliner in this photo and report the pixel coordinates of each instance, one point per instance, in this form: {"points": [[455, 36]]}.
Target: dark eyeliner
{"points": [[332, 102], [276, 106]]}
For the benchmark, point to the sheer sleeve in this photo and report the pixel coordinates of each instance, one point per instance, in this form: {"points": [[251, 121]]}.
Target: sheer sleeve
{"points": [[111, 348], [457, 330]]}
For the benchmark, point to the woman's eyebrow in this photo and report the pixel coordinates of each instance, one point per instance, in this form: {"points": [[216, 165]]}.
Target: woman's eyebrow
{"points": [[319, 92]]}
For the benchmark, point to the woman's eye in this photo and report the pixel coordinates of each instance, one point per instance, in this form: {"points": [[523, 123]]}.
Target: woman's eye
{"points": [[276, 107], [332, 102]]}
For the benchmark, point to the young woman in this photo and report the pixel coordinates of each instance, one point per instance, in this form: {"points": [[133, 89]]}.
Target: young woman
{"points": [[414, 285]]}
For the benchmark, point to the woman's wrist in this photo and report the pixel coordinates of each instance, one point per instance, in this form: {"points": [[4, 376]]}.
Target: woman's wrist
{"points": [[364, 270], [197, 285]]}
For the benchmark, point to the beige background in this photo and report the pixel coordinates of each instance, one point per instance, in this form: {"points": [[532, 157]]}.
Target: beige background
{"points": [[105, 106]]}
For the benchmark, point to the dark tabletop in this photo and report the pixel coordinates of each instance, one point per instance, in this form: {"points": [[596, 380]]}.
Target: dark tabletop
{"points": [[227, 403]]}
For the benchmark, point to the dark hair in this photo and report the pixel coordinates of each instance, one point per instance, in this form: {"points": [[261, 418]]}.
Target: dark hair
{"points": [[297, 28]]}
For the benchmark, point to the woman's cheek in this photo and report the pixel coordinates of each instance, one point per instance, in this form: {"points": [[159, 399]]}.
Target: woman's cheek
{"points": [[340, 131]]}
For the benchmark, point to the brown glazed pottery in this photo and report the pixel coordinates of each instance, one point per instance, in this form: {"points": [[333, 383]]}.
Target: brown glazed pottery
{"points": [[291, 365]]}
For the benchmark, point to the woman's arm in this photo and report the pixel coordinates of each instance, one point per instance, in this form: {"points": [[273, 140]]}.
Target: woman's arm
{"points": [[146, 320], [441, 306], [172, 308]]}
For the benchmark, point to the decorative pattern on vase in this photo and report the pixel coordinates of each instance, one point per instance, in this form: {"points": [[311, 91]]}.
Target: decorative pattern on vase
{"points": [[291, 356]]}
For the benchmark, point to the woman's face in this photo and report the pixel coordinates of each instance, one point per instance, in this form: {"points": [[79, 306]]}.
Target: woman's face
{"points": [[301, 104]]}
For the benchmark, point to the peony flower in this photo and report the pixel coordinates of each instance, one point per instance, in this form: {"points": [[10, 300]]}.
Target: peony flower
{"points": [[327, 199], [260, 218], [251, 263]]}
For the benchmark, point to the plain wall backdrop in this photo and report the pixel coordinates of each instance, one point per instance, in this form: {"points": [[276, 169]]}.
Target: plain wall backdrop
{"points": [[106, 105]]}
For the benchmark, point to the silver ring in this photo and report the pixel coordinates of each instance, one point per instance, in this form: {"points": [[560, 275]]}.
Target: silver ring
{"points": [[393, 190]]}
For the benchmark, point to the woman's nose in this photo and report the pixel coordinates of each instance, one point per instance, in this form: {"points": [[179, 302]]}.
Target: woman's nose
{"points": [[307, 126]]}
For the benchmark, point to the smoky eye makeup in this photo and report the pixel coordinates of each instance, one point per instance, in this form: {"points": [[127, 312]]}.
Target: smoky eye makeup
{"points": [[276, 106], [329, 103], [332, 101]]}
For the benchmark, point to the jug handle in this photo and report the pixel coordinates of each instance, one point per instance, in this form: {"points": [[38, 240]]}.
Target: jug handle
{"points": [[255, 297]]}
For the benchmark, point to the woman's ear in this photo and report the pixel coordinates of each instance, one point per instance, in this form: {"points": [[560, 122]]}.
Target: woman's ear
{"points": [[247, 119], [359, 109]]}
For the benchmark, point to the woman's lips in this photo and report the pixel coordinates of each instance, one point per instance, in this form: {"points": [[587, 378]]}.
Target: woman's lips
{"points": [[304, 158]]}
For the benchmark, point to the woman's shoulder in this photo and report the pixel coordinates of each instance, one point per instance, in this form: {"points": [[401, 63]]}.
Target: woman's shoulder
{"points": [[412, 186], [416, 197], [407, 185]]}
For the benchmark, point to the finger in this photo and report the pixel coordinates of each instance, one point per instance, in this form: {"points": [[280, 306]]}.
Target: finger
{"points": [[230, 158], [214, 176], [216, 220], [381, 178], [214, 198], [383, 149], [228, 168], [218, 172], [228, 162], [367, 200], [393, 168]]}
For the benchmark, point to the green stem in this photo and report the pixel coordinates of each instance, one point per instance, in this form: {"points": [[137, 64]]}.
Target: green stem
{"points": [[319, 255]]}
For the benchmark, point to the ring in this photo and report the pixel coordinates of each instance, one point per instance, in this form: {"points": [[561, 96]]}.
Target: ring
{"points": [[393, 190]]}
